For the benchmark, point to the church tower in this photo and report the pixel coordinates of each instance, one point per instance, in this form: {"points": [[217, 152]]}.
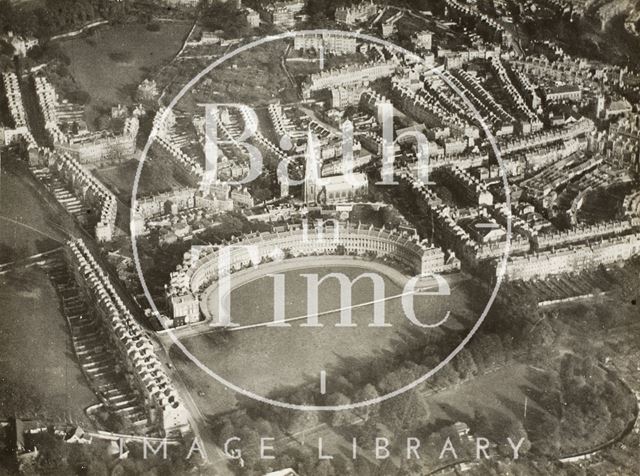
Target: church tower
{"points": [[599, 106], [313, 167]]}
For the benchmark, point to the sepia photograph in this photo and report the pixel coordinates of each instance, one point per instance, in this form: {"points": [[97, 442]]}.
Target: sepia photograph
{"points": [[320, 237]]}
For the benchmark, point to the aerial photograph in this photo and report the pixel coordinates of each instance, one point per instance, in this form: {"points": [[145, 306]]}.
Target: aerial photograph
{"points": [[320, 237]]}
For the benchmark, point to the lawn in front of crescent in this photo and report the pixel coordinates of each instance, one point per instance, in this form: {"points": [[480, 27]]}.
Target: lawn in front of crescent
{"points": [[267, 359]]}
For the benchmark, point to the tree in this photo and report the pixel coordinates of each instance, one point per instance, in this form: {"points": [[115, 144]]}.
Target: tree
{"points": [[482, 422], [369, 392], [488, 351], [343, 417], [446, 376], [7, 16], [115, 422], [398, 378], [342, 465], [617, 426], [324, 468], [628, 285], [404, 412], [515, 430], [573, 424], [300, 421], [465, 365], [222, 15], [366, 433], [541, 334], [226, 431], [545, 433], [262, 194], [51, 456]]}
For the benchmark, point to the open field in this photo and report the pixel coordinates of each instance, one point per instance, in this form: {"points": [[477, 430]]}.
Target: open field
{"points": [[156, 177], [528, 395], [501, 392], [37, 357], [38, 370], [501, 395], [259, 359], [491, 404], [113, 60], [26, 225]]}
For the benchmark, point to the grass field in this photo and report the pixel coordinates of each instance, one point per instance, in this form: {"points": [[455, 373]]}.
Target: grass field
{"points": [[156, 177], [260, 359], [37, 356], [501, 392], [26, 225], [37, 365], [97, 60]]}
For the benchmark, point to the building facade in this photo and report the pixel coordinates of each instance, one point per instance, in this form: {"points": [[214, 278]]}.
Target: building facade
{"points": [[579, 257], [199, 272], [134, 350], [356, 13], [334, 43]]}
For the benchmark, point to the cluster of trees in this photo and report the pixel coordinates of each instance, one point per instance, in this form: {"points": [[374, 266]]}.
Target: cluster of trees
{"points": [[320, 11], [264, 188], [497, 427], [158, 262], [384, 217], [58, 73], [252, 424], [580, 401], [627, 287], [594, 403], [510, 329], [57, 457], [578, 406], [525, 467], [232, 224], [6, 55], [224, 16], [399, 416], [105, 122], [56, 16], [623, 457], [583, 36]]}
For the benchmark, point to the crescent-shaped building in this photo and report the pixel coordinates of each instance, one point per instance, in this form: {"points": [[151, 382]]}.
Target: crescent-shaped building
{"points": [[202, 267]]}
